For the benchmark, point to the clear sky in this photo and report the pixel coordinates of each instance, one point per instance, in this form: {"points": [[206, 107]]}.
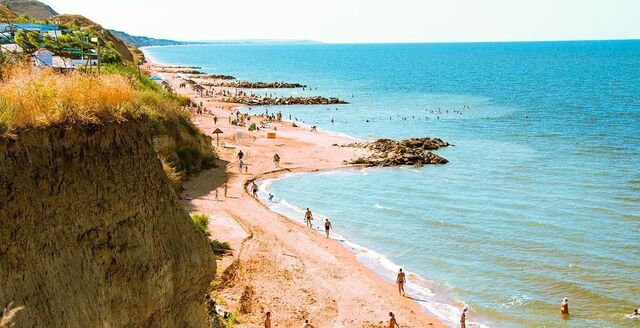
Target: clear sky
{"points": [[365, 20]]}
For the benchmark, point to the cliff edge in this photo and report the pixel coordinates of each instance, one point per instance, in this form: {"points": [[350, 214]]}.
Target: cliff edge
{"points": [[93, 234]]}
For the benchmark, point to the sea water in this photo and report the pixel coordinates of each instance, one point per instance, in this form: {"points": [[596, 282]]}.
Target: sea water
{"points": [[540, 199]]}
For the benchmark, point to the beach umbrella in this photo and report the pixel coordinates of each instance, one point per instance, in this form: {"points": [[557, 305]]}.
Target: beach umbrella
{"points": [[217, 133]]}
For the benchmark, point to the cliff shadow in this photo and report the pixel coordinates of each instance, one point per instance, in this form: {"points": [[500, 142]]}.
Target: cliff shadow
{"points": [[206, 182]]}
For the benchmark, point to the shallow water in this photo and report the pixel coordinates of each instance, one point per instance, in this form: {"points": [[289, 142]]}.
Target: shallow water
{"points": [[540, 200]]}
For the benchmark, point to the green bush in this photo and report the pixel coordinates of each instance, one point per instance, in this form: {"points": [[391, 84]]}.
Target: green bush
{"points": [[201, 221], [191, 161], [220, 248], [220, 322], [252, 127]]}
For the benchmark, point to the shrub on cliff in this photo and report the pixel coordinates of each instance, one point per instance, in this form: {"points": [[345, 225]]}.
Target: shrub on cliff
{"points": [[220, 248], [201, 222]]}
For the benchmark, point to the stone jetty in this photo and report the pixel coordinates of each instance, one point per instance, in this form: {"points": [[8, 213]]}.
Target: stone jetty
{"points": [[258, 85], [267, 101]]}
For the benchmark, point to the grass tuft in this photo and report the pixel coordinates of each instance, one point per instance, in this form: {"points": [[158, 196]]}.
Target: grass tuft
{"points": [[201, 222]]}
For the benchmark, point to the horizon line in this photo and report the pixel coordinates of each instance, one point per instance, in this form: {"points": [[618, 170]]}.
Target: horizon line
{"points": [[290, 41]]}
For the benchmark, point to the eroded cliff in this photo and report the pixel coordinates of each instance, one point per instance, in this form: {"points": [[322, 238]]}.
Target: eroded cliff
{"points": [[93, 235]]}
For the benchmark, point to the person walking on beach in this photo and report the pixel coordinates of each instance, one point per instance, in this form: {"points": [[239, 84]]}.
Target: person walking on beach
{"points": [[463, 318], [267, 320], [308, 217], [215, 120], [392, 321], [254, 190], [240, 155], [564, 307], [307, 324], [276, 160], [401, 280], [327, 227]]}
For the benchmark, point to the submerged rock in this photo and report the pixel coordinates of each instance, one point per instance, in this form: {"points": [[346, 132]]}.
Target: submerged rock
{"points": [[387, 152]]}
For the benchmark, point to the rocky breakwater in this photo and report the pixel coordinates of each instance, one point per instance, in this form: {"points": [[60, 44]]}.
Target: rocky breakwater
{"points": [[260, 85], [93, 235], [268, 101], [212, 77], [414, 151]]}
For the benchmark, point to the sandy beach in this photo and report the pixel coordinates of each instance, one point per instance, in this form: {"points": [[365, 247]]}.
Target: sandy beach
{"points": [[279, 265]]}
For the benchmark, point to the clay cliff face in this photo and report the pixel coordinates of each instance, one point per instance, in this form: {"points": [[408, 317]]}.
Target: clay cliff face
{"points": [[92, 235]]}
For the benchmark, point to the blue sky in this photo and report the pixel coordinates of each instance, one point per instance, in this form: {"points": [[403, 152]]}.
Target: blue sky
{"points": [[366, 20]]}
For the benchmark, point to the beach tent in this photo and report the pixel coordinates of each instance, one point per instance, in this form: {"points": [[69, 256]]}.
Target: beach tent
{"points": [[156, 78]]}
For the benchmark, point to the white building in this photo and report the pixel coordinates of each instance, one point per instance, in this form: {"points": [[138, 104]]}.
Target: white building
{"points": [[43, 58], [11, 47], [65, 62]]}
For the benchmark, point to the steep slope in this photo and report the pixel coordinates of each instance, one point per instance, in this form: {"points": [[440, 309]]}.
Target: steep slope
{"points": [[32, 8], [93, 235], [78, 22], [7, 13]]}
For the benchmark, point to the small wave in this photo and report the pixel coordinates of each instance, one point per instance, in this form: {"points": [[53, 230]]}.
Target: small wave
{"points": [[380, 207], [440, 223], [515, 301]]}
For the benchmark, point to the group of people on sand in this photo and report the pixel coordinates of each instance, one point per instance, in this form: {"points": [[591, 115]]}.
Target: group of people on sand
{"points": [[241, 164], [393, 323], [308, 217]]}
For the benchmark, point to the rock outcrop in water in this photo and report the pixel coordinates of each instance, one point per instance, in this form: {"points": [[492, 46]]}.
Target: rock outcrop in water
{"points": [[259, 101], [93, 234], [414, 151]]}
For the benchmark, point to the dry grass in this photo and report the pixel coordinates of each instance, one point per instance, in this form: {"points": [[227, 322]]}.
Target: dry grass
{"points": [[8, 314], [33, 98]]}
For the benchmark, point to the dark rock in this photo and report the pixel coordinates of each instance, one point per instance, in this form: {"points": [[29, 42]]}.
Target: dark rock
{"points": [[414, 151]]}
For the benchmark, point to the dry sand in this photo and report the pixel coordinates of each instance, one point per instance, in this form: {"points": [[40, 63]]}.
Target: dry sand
{"points": [[279, 265]]}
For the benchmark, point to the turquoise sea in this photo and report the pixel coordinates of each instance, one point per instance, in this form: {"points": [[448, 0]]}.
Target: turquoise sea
{"points": [[540, 200]]}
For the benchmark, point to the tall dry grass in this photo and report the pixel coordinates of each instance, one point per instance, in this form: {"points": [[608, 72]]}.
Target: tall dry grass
{"points": [[32, 97]]}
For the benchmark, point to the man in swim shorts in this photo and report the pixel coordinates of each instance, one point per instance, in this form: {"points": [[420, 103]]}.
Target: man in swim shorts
{"points": [[401, 280], [327, 227], [463, 318], [392, 321], [564, 307], [267, 320], [308, 217]]}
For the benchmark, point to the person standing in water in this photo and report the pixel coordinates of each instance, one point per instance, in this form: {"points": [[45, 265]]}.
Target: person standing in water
{"points": [[276, 160], [254, 190], [308, 217], [267, 320], [327, 226], [401, 280], [392, 321], [463, 318], [564, 307]]}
